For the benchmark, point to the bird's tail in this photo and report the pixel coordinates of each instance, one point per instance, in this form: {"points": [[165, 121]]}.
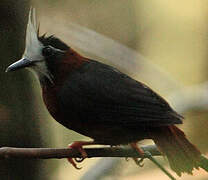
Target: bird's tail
{"points": [[172, 142]]}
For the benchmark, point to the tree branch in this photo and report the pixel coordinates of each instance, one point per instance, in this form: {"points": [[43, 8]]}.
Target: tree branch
{"points": [[48, 153], [55, 153]]}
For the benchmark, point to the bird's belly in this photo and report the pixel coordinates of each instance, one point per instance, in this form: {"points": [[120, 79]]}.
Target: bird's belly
{"points": [[83, 118], [110, 135], [109, 132], [101, 133]]}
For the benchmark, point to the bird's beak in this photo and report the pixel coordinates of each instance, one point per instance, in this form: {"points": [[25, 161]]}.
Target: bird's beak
{"points": [[22, 63]]}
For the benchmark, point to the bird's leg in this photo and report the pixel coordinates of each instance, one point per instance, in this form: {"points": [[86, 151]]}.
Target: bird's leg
{"points": [[141, 152], [78, 146]]}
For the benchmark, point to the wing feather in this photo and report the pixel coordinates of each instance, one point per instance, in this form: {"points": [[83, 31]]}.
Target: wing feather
{"points": [[99, 93]]}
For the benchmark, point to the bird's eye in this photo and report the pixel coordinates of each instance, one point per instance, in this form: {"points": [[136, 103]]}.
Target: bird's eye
{"points": [[47, 51]]}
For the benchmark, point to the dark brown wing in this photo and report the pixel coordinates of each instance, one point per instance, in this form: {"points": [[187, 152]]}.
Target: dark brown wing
{"points": [[99, 93]]}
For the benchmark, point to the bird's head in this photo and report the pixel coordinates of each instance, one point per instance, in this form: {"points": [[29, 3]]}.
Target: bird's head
{"points": [[43, 55]]}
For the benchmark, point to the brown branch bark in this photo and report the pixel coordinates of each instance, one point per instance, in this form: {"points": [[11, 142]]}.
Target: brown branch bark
{"points": [[55, 153], [48, 153]]}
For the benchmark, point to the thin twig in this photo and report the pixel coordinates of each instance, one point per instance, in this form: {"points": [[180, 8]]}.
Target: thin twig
{"points": [[159, 165]]}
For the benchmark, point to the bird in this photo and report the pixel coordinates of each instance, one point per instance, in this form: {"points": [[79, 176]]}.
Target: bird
{"points": [[101, 102]]}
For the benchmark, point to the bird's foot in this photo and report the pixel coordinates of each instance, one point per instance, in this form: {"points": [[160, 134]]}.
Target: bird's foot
{"points": [[138, 161], [78, 146]]}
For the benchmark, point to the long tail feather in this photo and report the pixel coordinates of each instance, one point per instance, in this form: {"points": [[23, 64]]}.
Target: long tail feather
{"points": [[172, 142]]}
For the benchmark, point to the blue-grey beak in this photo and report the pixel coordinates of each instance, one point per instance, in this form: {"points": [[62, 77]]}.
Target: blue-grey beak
{"points": [[22, 63]]}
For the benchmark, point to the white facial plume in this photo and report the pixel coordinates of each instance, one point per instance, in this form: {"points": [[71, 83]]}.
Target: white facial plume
{"points": [[32, 57], [33, 46]]}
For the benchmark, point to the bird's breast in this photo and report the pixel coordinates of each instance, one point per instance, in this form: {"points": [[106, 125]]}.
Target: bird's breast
{"points": [[76, 116], [50, 100], [70, 119]]}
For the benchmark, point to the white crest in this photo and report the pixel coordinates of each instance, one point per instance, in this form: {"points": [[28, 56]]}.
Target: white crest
{"points": [[33, 46]]}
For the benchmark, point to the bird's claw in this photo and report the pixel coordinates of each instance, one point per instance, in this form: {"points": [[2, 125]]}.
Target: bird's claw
{"points": [[78, 146], [79, 160], [139, 162], [71, 161]]}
